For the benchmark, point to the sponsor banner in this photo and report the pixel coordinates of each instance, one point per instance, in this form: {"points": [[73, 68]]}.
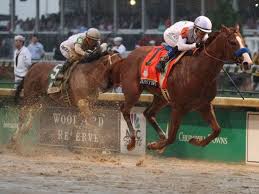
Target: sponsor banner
{"points": [[8, 123], [63, 126], [252, 137], [228, 146], [9, 118], [139, 123]]}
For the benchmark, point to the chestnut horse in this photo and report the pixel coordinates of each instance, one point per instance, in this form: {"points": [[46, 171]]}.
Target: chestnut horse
{"points": [[191, 85], [83, 88]]}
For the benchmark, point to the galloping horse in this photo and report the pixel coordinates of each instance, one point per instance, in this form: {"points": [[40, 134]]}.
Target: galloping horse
{"points": [[191, 85], [83, 87]]}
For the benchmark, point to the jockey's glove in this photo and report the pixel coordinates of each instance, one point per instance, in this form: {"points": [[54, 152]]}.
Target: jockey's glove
{"points": [[86, 55], [89, 52], [199, 44]]}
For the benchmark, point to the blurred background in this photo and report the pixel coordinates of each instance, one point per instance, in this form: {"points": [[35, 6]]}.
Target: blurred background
{"points": [[138, 22]]}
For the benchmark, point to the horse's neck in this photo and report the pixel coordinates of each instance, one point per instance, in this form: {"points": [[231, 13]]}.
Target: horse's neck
{"points": [[217, 47], [116, 72], [213, 64]]}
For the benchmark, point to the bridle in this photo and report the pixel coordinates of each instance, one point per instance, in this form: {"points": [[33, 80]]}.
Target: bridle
{"points": [[220, 60], [110, 59]]}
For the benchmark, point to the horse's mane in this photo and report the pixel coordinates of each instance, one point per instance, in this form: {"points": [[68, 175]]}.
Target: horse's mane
{"points": [[212, 37]]}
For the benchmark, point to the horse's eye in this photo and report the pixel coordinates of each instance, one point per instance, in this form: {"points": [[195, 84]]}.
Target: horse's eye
{"points": [[232, 42]]}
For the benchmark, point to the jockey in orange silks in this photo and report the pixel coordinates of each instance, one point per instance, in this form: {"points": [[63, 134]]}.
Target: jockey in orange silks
{"points": [[183, 36]]}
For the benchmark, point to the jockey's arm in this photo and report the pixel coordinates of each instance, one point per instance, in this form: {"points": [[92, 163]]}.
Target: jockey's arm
{"points": [[79, 50], [182, 46]]}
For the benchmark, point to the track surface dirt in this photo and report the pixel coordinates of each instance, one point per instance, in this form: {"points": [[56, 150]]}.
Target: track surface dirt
{"points": [[51, 170]]}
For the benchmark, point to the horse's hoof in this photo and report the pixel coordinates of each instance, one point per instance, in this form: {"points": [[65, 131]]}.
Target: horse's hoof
{"points": [[161, 151], [131, 145], [12, 144], [149, 146], [162, 137], [152, 146]]}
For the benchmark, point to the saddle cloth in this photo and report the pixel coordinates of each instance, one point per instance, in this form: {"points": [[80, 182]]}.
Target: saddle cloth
{"points": [[149, 75], [52, 79], [55, 85]]}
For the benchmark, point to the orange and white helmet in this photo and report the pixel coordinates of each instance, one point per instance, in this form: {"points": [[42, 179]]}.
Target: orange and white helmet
{"points": [[203, 23]]}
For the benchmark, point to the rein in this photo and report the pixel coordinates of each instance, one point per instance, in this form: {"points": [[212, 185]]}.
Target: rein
{"points": [[215, 58], [211, 56], [110, 58]]}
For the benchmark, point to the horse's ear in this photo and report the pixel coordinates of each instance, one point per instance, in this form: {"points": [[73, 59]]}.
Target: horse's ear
{"points": [[223, 26], [237, 28], [224, 29]]}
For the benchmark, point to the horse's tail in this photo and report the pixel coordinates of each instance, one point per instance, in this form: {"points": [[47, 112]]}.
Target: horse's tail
{"points": [[18, 92]]}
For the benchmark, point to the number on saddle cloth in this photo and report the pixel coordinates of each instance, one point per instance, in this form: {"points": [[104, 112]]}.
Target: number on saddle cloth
{"points": [[54, 72]]}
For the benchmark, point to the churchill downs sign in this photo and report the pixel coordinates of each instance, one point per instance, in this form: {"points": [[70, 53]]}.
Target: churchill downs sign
{"points": [[63, 126]]}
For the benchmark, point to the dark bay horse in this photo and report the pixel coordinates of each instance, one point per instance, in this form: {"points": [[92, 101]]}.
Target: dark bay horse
{"points": [[83, 88], [191, 86]]}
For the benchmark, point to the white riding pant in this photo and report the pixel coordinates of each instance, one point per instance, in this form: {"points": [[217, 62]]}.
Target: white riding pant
{"points": [[17, 80]]}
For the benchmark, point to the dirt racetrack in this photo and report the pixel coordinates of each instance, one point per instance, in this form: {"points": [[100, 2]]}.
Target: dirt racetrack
{"points": [[47, 170]]}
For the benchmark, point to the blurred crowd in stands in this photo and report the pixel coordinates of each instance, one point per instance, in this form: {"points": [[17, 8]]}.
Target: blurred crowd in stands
{"points": [[78, 22]]}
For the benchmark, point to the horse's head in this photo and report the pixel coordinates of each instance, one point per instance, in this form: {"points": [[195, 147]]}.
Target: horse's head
{"points": [[109, 60], [235, 49]]}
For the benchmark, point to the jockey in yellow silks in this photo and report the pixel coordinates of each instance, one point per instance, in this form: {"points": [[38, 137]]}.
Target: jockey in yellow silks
{"points": [[80, 46], [183, 36]]}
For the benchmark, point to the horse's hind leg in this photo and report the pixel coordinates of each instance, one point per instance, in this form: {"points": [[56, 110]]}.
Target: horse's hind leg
{"points": [[176, 118], [151, 111], [208, 114]]}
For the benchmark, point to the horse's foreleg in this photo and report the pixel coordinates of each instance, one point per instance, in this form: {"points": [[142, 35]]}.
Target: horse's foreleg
{"points": [[176, 117], [125, 109], [83, 105], [150, 114], [130, 100], [208, 114], [24, 125]]}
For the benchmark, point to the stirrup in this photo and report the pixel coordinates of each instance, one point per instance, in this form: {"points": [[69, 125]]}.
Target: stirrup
{"points": [[53, 90], [60, 76], [160, 67]]}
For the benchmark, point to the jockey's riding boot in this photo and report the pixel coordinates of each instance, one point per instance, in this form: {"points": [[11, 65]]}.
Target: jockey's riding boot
{"points": [[162, 63], [63, 69]]}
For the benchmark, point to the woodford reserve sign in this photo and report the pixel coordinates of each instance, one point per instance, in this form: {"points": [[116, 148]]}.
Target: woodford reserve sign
{"points": [[63, 126]]}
